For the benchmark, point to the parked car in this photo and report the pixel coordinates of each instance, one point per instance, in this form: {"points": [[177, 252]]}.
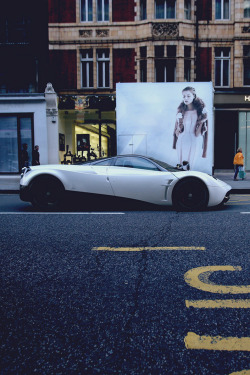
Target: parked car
{"points": [[127, 176]]}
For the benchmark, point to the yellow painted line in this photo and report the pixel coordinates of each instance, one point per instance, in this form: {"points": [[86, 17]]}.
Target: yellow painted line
{"points": [[193, 341], [219, 304], [148, 248], [243, 372], [199, 278]]}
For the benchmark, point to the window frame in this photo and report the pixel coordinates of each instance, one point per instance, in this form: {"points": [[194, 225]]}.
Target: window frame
{"points": [[222, 60], [105, 68], [87, 11], [165, 9], [143, 10], [19, 117], [222, 9], [246, 10], [187, 10], [246, 61], [102, 12], [87, 60]]}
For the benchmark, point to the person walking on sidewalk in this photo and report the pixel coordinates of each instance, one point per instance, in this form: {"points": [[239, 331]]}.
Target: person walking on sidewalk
{"points": [[238, 162], [36, 156]]}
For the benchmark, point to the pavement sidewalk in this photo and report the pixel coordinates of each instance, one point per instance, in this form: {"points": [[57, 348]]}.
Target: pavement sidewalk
{"points": [[238, 187]]}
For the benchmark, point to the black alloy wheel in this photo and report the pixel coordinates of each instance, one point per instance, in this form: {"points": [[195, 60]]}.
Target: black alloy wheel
{"points": [[47, 193], [190, 195]]}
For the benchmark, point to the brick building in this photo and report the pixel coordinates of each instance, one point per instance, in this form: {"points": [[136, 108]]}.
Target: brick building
{"points": [[95, 44], [90, 45]]}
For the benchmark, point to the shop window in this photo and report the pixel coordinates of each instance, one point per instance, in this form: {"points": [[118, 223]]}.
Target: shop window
{"points": [[86, 10], [187, 63], [222, 9], [143, 9], [222, 67], [102, 10], [244, 136], [15, 130], [187, 9], [143, 64], [103, 63], [246, 64], [246, 8], [165, 9], [87, 68]]}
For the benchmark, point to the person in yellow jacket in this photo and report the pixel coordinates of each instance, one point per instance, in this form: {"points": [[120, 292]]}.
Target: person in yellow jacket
{"points": [[238, 162]]}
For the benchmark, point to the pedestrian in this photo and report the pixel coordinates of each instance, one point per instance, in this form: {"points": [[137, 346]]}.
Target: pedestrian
{"points": [[36, 156], [24, 156], [238, 162], [191, 122]]}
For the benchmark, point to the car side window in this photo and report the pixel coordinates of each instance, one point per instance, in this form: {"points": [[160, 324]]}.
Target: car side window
{"points": [[134, 162], [105, 162]]}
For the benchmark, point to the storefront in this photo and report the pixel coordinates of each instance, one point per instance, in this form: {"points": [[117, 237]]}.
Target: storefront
{"points": [[22, 122], [232, 128], [87, 127]]}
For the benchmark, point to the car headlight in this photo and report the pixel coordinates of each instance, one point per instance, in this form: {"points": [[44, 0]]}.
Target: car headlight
{"points": [[25, 170]]}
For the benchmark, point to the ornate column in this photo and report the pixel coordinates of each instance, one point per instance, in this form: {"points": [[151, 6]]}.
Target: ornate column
{"points": [[52, 124]]}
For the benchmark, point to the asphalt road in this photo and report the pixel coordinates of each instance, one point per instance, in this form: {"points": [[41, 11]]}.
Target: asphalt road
{"points": [[128, 292]]}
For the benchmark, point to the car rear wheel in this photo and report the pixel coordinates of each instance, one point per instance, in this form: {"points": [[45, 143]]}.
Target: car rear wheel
{"points": [[46, 193], [190, 195]]}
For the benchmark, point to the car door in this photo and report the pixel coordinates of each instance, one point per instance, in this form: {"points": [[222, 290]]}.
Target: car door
{"points": [[91, 179], [138, 178]]}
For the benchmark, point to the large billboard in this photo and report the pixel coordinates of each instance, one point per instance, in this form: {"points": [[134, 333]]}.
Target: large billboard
{"points": [[172, 122]]}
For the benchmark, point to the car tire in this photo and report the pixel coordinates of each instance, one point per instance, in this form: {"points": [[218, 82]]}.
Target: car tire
{"points": [[47, 193], [190, 194]]}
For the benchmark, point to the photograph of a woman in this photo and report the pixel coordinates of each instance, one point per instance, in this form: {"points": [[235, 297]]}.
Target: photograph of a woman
{"points": [[191, 124]]}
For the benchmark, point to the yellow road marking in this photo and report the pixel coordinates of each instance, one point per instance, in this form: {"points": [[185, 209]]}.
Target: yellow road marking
{"points": [[219, 304], [148, 248], [199, 278], [193, 341], [243, 372]]}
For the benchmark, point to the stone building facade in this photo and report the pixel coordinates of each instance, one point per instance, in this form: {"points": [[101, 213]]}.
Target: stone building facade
{"points": [[93, 44]]}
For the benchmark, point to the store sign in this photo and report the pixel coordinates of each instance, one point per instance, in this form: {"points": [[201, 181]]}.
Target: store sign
{"points": [[153, 120], [247, 98]]}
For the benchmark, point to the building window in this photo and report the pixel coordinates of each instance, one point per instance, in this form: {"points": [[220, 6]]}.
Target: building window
{"points": [[187, 63], [222, 67], [187, 9], [246, 8], [86, 10], [102, 10], [103, 63], [87, 68], [15, 30], [143, 64], [246, 63], [143, 9], [222, 9], [165, 66], [15, 130], [164, 9]]}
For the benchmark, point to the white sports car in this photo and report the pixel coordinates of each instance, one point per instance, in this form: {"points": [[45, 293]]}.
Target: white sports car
{"points": [[127, 176]]}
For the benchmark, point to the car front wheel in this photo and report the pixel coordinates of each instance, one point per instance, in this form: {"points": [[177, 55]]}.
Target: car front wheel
{"points": [[190, 195], [46, 193]]}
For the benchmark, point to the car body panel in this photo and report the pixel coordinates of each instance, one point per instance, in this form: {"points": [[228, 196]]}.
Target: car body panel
{"points": [[145, 185], [153, 186]]}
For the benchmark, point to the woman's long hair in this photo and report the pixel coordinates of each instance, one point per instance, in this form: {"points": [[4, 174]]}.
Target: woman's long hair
{"points": [[197, 103]]}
